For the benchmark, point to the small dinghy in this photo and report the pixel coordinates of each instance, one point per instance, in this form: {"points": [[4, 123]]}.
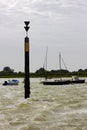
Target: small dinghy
{"points": [[11, 82]]}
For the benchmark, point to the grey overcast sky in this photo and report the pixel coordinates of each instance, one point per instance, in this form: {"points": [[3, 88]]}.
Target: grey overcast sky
{"points": [[59, 24]]}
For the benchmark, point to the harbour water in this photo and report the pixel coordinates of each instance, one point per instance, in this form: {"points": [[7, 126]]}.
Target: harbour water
{"points": [[48, 108]]}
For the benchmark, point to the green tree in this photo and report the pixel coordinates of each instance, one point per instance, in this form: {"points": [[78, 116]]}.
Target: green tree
{"points": [[7, 70]]}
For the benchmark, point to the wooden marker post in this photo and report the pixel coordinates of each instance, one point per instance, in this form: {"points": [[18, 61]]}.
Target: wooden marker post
{"points": [[27, 73]]}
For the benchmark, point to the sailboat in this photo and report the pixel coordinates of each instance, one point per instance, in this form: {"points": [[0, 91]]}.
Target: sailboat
{"points": [[74, 80], [59, 81]]}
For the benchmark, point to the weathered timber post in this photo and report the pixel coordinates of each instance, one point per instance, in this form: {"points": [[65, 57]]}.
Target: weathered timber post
{"points": [[27, 72]]}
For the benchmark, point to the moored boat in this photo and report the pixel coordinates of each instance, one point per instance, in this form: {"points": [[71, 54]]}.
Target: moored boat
{"points": [[11, 82], [77, 80], [56, 82]]}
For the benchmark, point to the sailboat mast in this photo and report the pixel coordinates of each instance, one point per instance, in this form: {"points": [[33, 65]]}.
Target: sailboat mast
{"points": [[60, 63], [45, 63], [46, 57], [59, 60]]}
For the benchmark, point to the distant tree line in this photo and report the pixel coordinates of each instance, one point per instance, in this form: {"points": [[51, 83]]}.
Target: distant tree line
{"points": [[8, 72], [60, 73]]}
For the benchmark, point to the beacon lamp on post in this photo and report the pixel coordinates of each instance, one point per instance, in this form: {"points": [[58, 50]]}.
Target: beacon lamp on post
{"points": [[27, 72]]}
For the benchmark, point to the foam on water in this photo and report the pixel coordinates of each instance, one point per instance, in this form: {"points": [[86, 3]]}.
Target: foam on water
{"points": [[48, 108]]}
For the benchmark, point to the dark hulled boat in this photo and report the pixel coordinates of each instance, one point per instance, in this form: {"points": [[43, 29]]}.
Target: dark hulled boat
{"points": [[56, 82], [63, 82], [76, 80]]}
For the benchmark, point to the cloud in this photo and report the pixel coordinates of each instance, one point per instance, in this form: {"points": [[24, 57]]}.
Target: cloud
{"points": [[41, 5], [13, 12], [53, 22], [41, 8]]}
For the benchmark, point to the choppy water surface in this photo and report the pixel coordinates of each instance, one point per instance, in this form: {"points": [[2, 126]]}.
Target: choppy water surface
{"points": [[48, 108]]}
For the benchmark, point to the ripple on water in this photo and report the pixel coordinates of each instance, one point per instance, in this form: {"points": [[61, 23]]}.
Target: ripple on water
{"points": [[48, 108]]}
